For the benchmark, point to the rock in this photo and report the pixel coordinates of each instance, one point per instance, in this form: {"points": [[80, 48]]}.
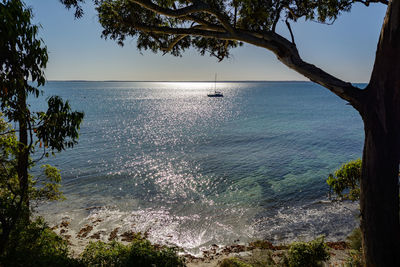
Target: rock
{"points": [[97, 221], [85, 231], [96, 235], [128, 236], [113, 234], [64, 224], [341, 245]]}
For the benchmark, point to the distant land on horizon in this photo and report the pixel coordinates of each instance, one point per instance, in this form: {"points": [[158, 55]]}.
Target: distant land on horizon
{"points": [[196, 81]]}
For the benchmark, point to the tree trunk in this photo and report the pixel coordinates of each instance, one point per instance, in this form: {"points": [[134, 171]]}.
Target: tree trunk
{"points": [[4, 236], [380, 183], [23, 156], [380, 197]]}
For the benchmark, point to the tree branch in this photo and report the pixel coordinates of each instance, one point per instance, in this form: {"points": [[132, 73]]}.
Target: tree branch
{"points": [[174, 13], [288, 54], [184, 31], [285, 50], [198, 6], [367, 2], [276, 20], [220, 16], [179, 38], [173, 44], [290, 31]]}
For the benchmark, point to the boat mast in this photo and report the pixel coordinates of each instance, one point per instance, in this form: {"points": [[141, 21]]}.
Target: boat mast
{"points": [[215, 83]]}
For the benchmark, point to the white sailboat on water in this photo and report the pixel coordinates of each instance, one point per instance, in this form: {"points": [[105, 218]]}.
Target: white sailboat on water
{"points": [[215, 93]]}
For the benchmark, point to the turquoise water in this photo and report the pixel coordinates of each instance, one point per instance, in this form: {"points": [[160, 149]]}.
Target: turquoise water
{"points": [[193, 171]]}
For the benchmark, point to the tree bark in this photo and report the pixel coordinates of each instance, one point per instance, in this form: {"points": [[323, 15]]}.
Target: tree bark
{"points": [[380, 196], [380, 182], [23, 156]]}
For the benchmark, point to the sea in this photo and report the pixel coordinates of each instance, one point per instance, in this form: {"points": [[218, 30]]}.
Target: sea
{"points": [[192, 171]]}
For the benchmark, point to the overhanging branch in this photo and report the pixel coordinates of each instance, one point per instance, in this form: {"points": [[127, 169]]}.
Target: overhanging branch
{"points": [[184, 31], [368, 2], [285, 50], [175, 13], [197, 6]]}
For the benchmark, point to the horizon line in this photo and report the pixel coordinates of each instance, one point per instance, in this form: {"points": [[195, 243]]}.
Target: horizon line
{"points": [[194, 81]]}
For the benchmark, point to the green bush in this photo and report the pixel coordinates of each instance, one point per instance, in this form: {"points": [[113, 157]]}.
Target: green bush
{"points": [[355, 239], [355, 259], [105, 254], [308, 253], [345, 182], [233, 262], [139, 253], [36, 244]]}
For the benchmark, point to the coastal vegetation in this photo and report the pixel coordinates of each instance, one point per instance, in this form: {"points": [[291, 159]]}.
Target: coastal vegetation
{"points": [[25, 240], [311, 253], [23, 57], [345, 185], [215, 27], [345, 182], [140, 252]]}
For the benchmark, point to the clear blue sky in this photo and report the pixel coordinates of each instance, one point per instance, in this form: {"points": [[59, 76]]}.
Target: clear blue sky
{"points": [[77, 52]]}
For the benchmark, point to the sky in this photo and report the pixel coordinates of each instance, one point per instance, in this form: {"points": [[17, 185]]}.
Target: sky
{"points": [[345, 49]]}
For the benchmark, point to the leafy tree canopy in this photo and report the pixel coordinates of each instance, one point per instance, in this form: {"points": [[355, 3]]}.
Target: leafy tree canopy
{"points": [[23, 58], [210, 26], [345, 182]]}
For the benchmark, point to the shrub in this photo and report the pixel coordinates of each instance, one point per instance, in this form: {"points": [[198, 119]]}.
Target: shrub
{"points": [[308, 253], [345, 182], [233, 262], [36, 244], [355, 259], [355, 239], [139, 253], [105, 254]]}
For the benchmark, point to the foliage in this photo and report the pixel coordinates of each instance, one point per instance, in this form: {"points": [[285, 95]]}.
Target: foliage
{"points": [[74, 4], [310, 254], [58, 127], [233, 262], [47, 186], [9, 185], [36, 245], [105, 254], [355, 258], [345, 182], [139, 253], [355, 239], [121, 19], [42, 188], [23, 57]]}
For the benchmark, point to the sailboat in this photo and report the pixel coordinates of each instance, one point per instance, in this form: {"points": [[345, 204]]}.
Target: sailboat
{"points": [[216, 93]]}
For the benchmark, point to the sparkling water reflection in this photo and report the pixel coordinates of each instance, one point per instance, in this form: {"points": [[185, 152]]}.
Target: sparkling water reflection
{"points": [[193, 171]]}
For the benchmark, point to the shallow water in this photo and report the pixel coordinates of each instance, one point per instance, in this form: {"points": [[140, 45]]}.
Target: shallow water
{"points": [[195, 171]]}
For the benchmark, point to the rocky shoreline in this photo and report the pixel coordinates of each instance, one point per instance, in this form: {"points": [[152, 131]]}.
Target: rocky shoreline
{"points": [[212, 256]]}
